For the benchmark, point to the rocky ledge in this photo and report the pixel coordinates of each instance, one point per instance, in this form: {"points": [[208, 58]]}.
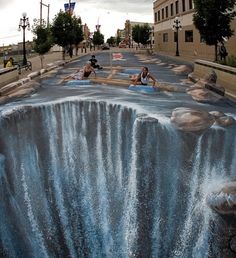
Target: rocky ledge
{"points": [[191, 120]]}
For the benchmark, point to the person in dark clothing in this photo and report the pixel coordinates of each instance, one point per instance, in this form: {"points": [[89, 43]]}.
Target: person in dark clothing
{"points": [[94, 61], [222, 52], [70, 51]]}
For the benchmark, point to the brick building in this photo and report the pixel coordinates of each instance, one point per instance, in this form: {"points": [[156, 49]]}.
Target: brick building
{"points": [[190, 44]]}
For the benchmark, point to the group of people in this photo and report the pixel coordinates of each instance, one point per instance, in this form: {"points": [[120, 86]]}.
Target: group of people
{"points": [[89, 67], [141, 79]]}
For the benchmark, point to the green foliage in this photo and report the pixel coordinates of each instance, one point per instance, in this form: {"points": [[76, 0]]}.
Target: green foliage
{"points": [[213, 18], [98, 38], [78, 30], [43, 40], [136, 33], [230, 61], [111, 41], [141, 33], [146, 32], [62, 29], [66, 29]]}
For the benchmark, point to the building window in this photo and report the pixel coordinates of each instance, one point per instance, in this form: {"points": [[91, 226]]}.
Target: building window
{"points": [[171, 10], [159, 15], [155, 17], [167, 12], [165, 37], [162, 13], [188, 36], [183, 6], [176, 7], [190, 4]]}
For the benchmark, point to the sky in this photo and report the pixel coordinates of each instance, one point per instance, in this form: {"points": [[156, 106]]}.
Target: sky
{"points": [[110, 14]]}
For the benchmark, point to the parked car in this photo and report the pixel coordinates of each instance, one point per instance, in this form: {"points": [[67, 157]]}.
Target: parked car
{"points": [[105, 47]]}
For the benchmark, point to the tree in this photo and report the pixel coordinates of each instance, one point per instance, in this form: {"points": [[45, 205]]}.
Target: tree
{"points": [[42, 43], [141, 33], [63, 30], [146, 32], [111, 41], [212, 18], [136, 33], [78, 31], [98, 38]]}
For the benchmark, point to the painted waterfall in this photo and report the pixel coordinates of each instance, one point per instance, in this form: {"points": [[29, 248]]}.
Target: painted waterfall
{"points": [[91, 179]]}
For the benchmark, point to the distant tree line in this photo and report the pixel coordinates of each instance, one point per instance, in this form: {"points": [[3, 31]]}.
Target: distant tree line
{"points": [[65, 31]]}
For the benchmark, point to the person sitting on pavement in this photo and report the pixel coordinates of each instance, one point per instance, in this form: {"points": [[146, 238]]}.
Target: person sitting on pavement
{"points": [[10, 62], [82, 74], [143, 78], [94, 61]]}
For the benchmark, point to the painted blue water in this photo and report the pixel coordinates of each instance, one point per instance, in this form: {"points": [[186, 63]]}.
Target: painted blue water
{"points": [[99, 171], [86, 178]]}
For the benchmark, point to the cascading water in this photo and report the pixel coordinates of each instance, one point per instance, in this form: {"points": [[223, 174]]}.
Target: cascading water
{"points": [[91, 179]]}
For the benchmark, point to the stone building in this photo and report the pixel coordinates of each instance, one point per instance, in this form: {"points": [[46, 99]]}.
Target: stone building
{"points": [[190, 44]]}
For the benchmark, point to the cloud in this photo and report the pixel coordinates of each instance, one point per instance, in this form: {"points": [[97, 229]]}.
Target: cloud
{"points": [[5, 4], [138, 6], [111, 14], [122, 5]]}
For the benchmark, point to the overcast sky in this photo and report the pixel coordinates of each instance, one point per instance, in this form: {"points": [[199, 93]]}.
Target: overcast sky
{"points": [[110, 14]]}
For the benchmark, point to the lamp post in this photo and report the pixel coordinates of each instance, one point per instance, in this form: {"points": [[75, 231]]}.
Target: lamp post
{"points": [[24, 23], [176, 27]]}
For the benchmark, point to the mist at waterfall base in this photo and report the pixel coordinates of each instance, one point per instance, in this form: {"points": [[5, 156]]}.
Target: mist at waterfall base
{"points": [[90, 179]]}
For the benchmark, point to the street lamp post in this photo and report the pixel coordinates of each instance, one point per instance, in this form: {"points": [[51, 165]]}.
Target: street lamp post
{"points": [[24, 23], [176, 27]]}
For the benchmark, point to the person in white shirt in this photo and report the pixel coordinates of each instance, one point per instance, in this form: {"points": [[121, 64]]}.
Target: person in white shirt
{"points": [[143, 77]]}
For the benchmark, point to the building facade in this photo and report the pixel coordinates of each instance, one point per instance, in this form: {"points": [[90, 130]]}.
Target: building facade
{"points": [[190, 43]]}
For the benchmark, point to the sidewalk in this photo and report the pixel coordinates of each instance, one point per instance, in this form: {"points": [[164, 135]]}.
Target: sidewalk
{"points": [[48, 59]]}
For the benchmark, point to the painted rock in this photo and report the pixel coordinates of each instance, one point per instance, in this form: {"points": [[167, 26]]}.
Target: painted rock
{"points": [[223, 200], [190, 120]]}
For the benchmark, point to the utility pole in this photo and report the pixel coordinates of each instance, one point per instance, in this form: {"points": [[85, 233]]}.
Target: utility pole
{"points": [[41, 10], [70, 7], [41, 7], [48, 16]]}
